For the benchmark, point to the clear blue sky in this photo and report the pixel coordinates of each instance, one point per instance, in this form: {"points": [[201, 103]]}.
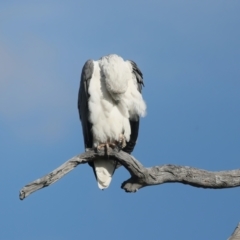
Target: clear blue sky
{"points": [[189, 53]]}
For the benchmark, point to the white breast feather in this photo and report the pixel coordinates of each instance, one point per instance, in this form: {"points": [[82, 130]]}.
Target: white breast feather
{"points": [[114, 99]]}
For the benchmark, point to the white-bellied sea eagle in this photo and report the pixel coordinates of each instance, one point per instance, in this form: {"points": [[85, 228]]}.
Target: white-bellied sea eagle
{"points": [[110, 104]]}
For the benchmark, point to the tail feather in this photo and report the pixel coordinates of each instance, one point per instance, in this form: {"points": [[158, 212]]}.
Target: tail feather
{"points": [[104, 170]]}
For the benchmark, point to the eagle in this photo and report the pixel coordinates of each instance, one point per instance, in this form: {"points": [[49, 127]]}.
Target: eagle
{"points": [[110, 104]]}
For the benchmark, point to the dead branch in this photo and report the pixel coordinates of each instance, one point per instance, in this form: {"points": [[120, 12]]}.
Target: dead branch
{"points": [[141, 176], [236, 234]]}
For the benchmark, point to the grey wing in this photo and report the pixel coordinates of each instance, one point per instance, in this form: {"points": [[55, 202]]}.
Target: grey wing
{"points": [[83, 97], [134, 123], [139, 76]]}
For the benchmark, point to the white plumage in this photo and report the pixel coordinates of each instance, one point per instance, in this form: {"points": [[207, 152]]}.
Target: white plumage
{"points": [[114, 100]]}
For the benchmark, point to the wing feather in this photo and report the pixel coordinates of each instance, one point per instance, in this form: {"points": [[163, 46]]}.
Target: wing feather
{"points": [[83, 97], [134, 124]]}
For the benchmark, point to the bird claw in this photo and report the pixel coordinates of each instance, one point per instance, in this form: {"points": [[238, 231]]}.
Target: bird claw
{"points": [[106, 147], [120, 144]]}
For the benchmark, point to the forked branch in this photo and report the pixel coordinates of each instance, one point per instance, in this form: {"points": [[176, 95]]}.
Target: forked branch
{"points": [[141, 176]]}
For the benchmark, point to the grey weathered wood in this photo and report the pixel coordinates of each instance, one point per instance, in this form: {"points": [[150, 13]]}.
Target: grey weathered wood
{"points": [[236, 233], [141, 176]]}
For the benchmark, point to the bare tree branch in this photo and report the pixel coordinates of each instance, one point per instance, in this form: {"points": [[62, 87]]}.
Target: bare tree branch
{"points": [[236, 233], [141, 176]]}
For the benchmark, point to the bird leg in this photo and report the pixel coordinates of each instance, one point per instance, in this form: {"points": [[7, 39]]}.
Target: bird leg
{"points": [[121, 143], [106, 146]]}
